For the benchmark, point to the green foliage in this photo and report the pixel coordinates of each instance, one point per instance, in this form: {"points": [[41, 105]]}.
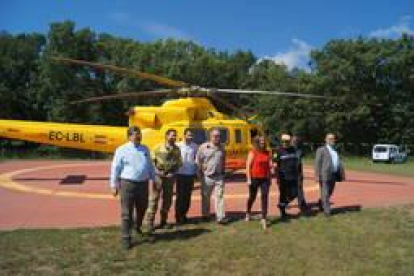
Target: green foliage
{"points": [[371, 81], [19, 58], [372, 84]]}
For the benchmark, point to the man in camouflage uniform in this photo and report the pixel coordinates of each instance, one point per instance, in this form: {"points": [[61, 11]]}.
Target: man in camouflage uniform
{"points": [[167, 161]]}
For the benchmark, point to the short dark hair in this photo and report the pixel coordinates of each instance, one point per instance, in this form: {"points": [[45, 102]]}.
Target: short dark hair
{"points": [[169, 131], [187, 130], [256, 142], [133, 129]]}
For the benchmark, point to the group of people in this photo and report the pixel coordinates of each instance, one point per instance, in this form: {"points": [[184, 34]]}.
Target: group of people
{"points": [[134, 171]]}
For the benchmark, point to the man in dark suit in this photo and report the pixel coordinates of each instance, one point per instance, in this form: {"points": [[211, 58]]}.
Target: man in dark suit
{"points": [[328, 171]]}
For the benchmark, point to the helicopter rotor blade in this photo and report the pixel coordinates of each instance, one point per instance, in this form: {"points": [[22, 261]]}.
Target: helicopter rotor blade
{"points": [[125, 95], [274, 93], [130, 72], [230, 106]]}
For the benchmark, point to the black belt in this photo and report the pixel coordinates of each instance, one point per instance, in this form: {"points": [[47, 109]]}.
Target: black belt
{"points": [[135, 182]]}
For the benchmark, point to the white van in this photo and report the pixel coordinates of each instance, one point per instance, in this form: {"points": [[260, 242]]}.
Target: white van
{"points": [[388, 153]]}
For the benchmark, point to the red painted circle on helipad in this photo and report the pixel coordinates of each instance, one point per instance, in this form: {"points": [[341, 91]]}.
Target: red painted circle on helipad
{"points": [[76, 194]]}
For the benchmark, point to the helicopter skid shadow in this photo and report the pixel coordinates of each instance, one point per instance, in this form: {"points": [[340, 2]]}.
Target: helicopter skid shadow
{"points": [[67, 180], [73, 180]]}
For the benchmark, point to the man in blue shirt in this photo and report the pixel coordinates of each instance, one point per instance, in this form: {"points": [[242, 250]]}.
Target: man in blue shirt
{"points": [[131, 171], [328, 170]]}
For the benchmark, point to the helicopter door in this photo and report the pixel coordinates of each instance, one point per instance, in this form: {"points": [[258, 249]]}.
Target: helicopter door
{"points": [[199, 135], [238, 145]]}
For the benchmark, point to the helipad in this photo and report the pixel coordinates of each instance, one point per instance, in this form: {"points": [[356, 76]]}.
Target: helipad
{"points": [[62, 194]]}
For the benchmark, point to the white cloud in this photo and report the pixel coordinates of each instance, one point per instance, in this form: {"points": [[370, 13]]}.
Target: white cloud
{"points": [[403, 26], [154, 29], [296, 56]]}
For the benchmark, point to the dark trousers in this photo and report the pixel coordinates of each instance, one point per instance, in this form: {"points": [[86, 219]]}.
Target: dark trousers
{"points": [[264, 185], [301, 194], [184, 188], [327, 189], [133, 195], [288, 191]]}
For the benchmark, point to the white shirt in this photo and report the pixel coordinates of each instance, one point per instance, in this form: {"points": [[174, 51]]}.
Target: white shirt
{"points": [[133, 163], [334, 157], [188, 156]]}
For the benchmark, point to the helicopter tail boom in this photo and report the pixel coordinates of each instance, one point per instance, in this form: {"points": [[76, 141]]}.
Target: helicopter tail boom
{"points": [[86, 137]]}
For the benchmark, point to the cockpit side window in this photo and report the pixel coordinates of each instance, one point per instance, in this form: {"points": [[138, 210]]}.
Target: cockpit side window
{"points": [[224, 134], [238, 136]]}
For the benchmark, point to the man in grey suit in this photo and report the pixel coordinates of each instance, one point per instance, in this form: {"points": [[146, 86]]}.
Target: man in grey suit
{"points": [[328, 171]]}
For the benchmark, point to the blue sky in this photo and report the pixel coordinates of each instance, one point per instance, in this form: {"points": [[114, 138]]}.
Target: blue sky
{"points": [[284, 31]]}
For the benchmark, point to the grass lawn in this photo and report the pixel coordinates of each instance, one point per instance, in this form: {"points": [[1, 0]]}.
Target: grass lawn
{"points": [[365, 164], [370, 242]]}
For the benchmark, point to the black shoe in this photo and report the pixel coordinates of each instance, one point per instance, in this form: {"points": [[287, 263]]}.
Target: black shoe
{"points": [[179, 221], [283, 215], [126, 244], [222, 221], [149, 229], [205, 219], [320, 206], [162, 225], [305, 210], [304, 206], [149, 238]]}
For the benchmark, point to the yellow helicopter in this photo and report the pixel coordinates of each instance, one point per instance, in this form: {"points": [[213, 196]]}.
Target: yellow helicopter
{"points": [[193, 109]]}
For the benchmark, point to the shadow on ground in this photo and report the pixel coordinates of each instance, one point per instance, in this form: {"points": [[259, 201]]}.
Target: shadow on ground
{"points": [[178, 234]]}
